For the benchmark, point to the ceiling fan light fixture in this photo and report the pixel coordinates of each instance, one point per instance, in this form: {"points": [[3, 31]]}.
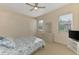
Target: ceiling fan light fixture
{"points": [[35, 8]]}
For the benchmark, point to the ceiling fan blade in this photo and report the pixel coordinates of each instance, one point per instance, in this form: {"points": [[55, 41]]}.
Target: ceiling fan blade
{"points": [[36, 4], [41, 7], [29, 4]]}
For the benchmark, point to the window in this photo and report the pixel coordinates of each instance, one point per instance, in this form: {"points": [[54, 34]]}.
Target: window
{"points": [[40, 25], [65, 22]]}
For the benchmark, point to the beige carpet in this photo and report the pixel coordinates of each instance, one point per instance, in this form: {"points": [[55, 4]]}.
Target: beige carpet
{"points": [[54, 49]]}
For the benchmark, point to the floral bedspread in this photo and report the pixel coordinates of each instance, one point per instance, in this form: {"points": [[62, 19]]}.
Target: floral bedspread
{"points": [[24, 46]]}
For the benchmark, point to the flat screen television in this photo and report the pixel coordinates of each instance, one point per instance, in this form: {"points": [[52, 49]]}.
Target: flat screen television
{"points": [[74, 35]]}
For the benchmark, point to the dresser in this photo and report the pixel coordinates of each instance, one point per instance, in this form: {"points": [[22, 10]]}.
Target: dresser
{"points": [[73, 45]]}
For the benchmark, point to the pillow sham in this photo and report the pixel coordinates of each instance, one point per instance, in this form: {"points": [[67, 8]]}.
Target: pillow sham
{"points": [[7, 42]]}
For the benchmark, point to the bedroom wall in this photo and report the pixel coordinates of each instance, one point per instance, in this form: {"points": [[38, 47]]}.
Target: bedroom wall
{"points": [[15, 25], [62, 37]]}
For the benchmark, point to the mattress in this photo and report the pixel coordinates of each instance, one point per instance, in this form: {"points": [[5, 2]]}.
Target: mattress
{"points": [[24, 46]]}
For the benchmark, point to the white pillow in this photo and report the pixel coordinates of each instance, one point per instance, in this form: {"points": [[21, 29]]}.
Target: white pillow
{"points": [[7, 42]]}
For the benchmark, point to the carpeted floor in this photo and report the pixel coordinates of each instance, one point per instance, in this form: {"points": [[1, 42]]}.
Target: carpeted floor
{"points": [[54, 49]]}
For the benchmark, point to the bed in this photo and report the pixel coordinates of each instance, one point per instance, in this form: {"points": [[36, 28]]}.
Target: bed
{"points": [[20, 46]]}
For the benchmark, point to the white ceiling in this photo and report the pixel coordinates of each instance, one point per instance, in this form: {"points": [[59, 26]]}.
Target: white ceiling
{"points": [[25, 9]]}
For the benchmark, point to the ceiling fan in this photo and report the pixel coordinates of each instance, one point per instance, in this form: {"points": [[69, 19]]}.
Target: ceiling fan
{"points": [[35, 6]]}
